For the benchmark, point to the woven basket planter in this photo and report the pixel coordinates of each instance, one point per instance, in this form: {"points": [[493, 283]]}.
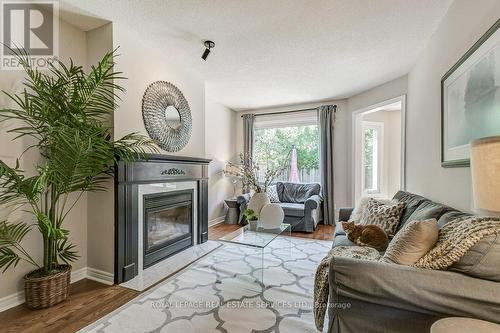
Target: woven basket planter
{"points": [[43, 292]]}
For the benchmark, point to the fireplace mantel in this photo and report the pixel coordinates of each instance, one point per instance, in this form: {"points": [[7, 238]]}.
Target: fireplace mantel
{"points": [[157, 169]]}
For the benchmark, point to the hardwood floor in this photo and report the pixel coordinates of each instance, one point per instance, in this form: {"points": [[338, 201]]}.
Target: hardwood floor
{"points": [[92, 300], [322, 232], [89, 301]]}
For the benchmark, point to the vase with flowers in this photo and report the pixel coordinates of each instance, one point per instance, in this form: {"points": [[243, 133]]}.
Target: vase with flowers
{"points": [[248, 172]]}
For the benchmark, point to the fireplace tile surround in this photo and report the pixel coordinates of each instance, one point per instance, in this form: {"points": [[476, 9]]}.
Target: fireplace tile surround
{"points": [[158, 175]]}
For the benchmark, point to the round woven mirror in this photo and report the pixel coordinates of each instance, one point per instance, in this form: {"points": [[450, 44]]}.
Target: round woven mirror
{"points": [[167, 116]]}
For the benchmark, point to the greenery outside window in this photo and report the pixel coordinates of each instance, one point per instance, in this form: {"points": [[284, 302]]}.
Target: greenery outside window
{"points": [[372, 143], [276, 137]]}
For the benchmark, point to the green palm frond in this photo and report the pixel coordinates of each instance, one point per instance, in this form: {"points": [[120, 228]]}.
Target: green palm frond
{"points": [[49, 230], [11, 249], [66, 251], [8, 258], [15, 187]]}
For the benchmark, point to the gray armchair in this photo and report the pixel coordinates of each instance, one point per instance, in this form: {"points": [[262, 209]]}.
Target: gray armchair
{"points": [[301, 204]]}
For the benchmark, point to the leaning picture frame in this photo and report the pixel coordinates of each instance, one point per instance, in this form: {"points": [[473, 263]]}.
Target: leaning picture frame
{"points": [[470, 99]]}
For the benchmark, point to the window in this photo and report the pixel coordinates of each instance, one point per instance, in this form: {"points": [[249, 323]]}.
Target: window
{"points": [[372, 143], [278, 139]]}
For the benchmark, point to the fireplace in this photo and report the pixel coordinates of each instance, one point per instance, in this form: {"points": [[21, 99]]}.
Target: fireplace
{"points": [[161, 209], [168, 224]]}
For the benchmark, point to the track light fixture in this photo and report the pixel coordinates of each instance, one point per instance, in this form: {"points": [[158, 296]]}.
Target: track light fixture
{"points": [[209, 45]]}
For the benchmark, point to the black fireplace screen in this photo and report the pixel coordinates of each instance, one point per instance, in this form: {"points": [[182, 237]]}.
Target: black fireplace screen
{"points": [[168, 224]]}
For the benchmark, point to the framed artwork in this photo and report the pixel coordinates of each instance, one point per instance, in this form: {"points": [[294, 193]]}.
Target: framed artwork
{"points": [[470, 99]]}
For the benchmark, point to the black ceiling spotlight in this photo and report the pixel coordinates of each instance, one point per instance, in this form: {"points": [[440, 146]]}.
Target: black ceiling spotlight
{"points": [[209, 45]]}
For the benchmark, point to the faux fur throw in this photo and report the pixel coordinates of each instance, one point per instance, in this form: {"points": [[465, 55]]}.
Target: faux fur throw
{"points": [[321, 286], [456, 238]]}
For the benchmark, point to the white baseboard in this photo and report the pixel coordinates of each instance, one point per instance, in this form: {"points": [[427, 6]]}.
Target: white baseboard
{"points": [[10, 301], [100, 276], [16, 299], [79, 274], [217, 220]]}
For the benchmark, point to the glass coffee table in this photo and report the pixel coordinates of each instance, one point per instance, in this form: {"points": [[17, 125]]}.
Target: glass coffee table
{"points": [[257, 237]]}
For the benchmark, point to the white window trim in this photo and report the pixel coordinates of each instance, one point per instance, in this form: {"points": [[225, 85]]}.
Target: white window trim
{"points": [[379, 127]]}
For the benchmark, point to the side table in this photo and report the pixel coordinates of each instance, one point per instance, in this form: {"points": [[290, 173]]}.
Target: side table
{"points": [[233, 211]]}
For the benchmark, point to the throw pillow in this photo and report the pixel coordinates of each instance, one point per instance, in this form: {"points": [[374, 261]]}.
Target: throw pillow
{"points": [[412, 242], [482, 259], [384, 215], [272, 193], [360, 208]]}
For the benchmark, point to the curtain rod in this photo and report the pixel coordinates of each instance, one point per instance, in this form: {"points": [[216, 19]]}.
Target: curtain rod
{"points": [[291, 111]]}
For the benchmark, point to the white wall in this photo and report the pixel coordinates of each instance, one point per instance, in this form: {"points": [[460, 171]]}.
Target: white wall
{"points": [[379, 94], [384, 92], [465, 22], [72, 45], [341, 144], [220, 146], [391, 151]]}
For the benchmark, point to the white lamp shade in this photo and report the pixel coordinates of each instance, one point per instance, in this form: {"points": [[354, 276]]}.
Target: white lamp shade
{"points": [[485, 169]]}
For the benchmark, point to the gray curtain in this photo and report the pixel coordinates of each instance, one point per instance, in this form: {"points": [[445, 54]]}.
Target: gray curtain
{"points": [[248, 121], [326, 121]]}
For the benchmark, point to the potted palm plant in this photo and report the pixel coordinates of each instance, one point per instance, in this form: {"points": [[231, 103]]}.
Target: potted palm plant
{"points": [[65, 110]]}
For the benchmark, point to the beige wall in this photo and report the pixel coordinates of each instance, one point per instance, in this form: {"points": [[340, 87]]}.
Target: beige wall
{"points": [[465, 22], [100, 205], [72, 45], [143, 63], [220, 146], [341, 144]]}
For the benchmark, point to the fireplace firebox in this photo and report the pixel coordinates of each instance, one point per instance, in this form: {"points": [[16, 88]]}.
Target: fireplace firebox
{"points": [[168, 224]]}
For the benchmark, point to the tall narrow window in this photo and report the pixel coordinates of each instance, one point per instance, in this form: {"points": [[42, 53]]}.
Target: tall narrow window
{"points": [[371, 156]]}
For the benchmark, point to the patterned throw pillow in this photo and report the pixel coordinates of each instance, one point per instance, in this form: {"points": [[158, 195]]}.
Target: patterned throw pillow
{"points": [[360, 208], [384, 215], [272, 193]]}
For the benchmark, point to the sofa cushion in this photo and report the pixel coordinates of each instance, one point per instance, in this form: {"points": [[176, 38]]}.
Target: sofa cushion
{"points": [[292, 209], [296, 192], [342, 240], [450, 216], [412, 201], [339, 229], [425, 211], [482, 260]]}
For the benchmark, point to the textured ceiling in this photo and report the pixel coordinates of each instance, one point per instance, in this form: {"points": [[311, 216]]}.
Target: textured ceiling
{"points": [[278, 52]]}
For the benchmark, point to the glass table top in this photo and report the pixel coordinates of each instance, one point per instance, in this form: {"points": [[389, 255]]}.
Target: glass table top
{"points": [[257, 237]]}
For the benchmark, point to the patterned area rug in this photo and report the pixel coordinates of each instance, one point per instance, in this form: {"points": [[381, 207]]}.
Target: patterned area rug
{"points": [[235, 289]]}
